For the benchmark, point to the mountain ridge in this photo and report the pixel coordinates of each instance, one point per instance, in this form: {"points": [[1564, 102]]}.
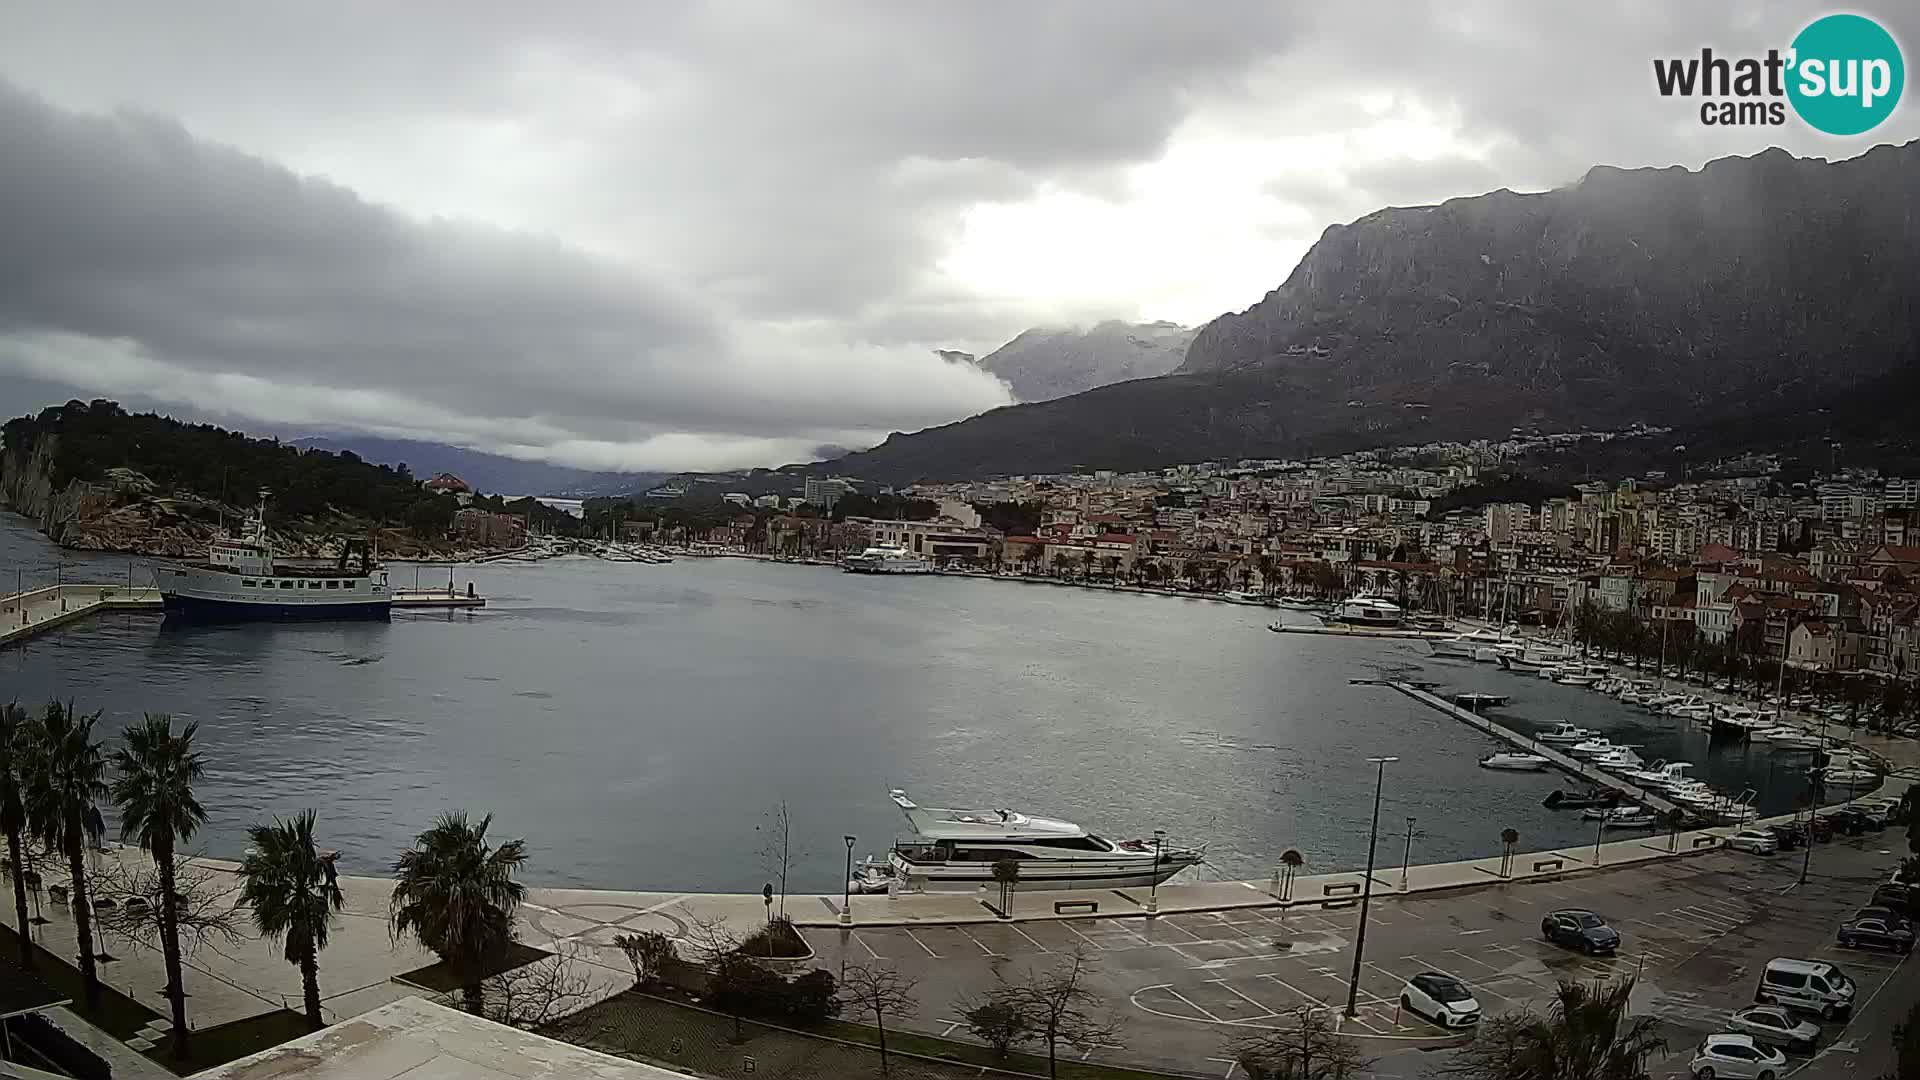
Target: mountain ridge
{"points": [[1655, 295], [1047, 362]]}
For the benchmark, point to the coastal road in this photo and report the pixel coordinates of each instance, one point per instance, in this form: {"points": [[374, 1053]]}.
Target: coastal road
{"points": [[1695, 935]]}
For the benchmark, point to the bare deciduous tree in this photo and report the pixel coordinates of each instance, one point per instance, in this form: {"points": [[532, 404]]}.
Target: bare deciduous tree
{"points": [[995, 1022], [533, 996], [1057, 1007], [1307, 1046], [649, 951], [879, 992], [776, 851], [206, 902]]}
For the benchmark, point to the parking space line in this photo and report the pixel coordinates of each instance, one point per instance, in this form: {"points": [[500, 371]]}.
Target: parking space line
{"points": [[977, 941], [862, 942], [1029, 937], [1229, 988], [1471, 960], [1189, 1004], [922, 944], [1083, 937], [1302, 993]]}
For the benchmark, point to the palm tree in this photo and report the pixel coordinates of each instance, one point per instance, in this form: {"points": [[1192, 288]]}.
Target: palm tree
{"points": [[293, 891], [1293, 861], [14, 725], [457, 896], [1587, 1034], [157, 809], [64, 785]]}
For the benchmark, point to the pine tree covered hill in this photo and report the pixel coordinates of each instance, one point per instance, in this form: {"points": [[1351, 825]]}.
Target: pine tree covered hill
{"points": [[209, 463], [97, 476]]}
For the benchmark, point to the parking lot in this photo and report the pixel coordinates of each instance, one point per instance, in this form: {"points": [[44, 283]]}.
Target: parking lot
{"points": [[1694, 936]]}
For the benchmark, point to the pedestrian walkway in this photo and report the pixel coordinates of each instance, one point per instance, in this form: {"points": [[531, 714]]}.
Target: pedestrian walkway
{"points": [[127, 1062], [26, 614]]}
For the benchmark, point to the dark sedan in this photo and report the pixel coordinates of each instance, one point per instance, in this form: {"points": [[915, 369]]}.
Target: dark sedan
{"points": [[1876, 931], [1581, 930]]}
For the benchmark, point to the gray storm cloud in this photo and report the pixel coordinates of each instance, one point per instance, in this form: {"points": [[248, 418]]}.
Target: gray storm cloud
{"points": [[674, 235], [136, 259]]}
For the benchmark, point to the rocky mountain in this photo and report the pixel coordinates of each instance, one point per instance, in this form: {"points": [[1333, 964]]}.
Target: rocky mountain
{"points": [[1657, 295], [483, 471], [1042, 364]]}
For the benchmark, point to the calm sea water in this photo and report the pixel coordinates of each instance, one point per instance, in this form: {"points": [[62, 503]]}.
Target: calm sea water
{"points": [[637, 723]]}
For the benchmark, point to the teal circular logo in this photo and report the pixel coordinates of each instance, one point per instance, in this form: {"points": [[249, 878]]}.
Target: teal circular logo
{"points": [[1846, 75]]}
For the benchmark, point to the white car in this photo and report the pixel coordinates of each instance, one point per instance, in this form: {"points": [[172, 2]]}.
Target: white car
{"points": [[1775, 1026], [1758, 841], [1736, 1057], [1440, 998]]}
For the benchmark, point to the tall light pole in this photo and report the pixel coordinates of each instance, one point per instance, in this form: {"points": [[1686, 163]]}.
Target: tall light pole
{"points": [[846, 887], [1366, 886], [1406, 858], [1153, 881]]}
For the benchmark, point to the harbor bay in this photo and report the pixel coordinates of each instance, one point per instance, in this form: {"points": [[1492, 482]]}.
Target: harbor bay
{"points": [[638, 723]]}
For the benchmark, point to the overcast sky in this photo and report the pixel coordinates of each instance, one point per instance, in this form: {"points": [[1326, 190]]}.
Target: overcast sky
{"points": [[662, 236]]}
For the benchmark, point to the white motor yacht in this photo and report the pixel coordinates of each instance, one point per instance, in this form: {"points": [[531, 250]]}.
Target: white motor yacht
{"points": [[1790, 738], [1597, 746], [1565, 733], [1468, 645], [1368, 611], [1634, 818], [886, 559], [960, 847], [1671, 774], [1515, 761], [1619, 760], [1646, 775]]}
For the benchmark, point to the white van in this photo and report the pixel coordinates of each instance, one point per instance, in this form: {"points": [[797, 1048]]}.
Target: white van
{"points": [[1814, 986]]}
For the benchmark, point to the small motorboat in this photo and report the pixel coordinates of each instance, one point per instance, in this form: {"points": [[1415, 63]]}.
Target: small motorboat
{"points": [[1848, 776], [1300, 603], [1597, 746], [1635, 819], [1791, 738], [1601, 797], [1619, 760], [1480, 701], [1565, 733], [1514, 760], [1575, 677]]}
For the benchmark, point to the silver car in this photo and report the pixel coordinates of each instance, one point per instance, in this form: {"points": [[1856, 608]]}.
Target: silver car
{"points": [[1774, 1026]]}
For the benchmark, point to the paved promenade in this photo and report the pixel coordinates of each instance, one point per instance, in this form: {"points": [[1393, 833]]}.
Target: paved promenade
{"points": [[27, 614]]}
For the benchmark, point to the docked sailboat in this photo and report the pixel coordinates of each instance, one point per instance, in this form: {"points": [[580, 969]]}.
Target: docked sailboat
{"points": [[241, 579], [958, 849]]}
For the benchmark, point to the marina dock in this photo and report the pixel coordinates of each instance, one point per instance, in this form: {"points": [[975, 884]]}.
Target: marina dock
{"points": [[1564, 762], [1365, 632], [25, 614], [28, 614], [437, 598]]}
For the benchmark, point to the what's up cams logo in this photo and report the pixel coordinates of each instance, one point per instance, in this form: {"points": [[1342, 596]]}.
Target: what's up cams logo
{"points": [[1843, 75]]}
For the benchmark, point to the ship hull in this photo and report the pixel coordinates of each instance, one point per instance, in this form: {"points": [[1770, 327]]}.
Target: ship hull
{"points": [[202, 609]]}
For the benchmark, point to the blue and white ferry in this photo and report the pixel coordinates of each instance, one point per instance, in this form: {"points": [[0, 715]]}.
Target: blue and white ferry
{"points": [[241, 580]]}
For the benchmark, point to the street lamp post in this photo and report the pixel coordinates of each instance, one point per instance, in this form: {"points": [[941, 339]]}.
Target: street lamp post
{"points": [[1366, 887], [1406, 858], [1153, 882], [1813, 802], [846, 887]]}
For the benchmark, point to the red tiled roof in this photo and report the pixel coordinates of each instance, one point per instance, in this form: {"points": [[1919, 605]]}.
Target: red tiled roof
{"points": [[1715, 553], [1117, 538]]}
